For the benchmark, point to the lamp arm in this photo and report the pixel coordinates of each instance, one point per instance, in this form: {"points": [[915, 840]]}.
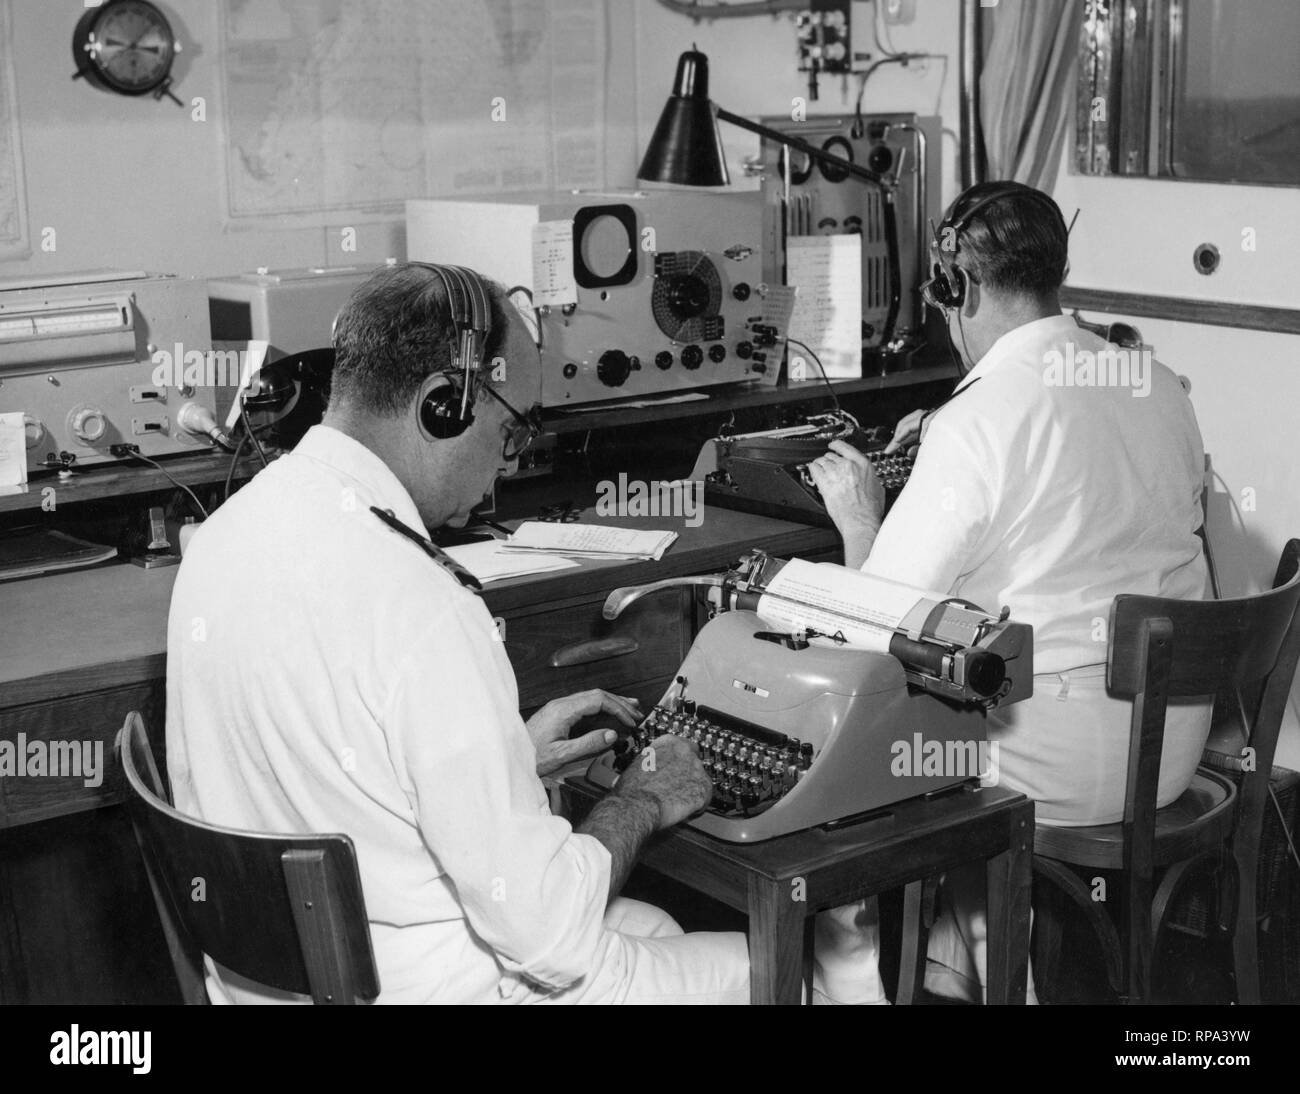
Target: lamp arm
{"points": [[807, 149]]}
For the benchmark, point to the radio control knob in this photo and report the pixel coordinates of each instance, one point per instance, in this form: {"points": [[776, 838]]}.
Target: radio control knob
{"points": [[692, 357], [34, 430], [89, 424], [717, 353], [613, 368], [663, 359], [744, 350]]}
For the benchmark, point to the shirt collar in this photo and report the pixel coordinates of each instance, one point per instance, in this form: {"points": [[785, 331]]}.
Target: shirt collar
{"points": [[1048, 329], [350, 459]]}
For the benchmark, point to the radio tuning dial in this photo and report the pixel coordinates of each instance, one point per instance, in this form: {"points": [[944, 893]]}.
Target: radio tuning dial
{"points": [[89, 424], [613, 368]]}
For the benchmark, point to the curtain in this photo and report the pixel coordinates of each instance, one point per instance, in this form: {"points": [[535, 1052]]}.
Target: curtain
{"points": [[1027, 87]]}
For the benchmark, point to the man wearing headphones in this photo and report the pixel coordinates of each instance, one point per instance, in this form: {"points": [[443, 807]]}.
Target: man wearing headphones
{"points": [[1051, 481], [329, 670]]}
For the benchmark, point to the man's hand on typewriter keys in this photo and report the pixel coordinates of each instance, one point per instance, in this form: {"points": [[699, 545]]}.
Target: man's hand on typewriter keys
{"points": [[669, 772], [849, 486]]}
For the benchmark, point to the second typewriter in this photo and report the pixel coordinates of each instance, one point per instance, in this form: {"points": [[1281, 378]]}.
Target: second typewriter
{"points": [[767, 472]]}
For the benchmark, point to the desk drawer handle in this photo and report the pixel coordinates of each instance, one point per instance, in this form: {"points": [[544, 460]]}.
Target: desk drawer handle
{"points": [[598, 649]]}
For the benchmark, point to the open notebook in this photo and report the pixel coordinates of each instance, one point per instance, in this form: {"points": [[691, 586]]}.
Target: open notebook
{"points": [[589, 541]]}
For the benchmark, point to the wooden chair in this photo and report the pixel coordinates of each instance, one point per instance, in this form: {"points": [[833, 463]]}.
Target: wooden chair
{"points": [[284, 911], [1162, 649], [1246, 752]]}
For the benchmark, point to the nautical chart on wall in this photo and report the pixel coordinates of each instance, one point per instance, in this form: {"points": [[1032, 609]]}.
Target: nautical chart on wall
{"points": [[332, 106], [13, 206]]}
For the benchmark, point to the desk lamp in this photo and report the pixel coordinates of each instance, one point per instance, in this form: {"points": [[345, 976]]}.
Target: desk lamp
{"points": [[686, 149]]}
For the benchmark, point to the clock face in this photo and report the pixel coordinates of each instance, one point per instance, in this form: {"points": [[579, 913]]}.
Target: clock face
{"points": [[132, 45]]}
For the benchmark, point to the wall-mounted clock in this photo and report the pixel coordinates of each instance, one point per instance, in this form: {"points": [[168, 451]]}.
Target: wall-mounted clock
{"points": [[126, 46]]}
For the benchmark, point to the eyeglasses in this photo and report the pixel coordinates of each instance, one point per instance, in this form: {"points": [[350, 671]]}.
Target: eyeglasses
{"points": [[561, 513], [525, 430]]}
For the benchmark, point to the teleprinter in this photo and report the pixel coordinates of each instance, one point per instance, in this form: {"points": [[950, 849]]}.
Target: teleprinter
{"points": [[767, 472], [816, 694]]}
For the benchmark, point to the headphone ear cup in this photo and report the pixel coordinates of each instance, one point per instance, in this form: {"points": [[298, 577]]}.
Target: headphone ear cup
{"points": [[440, 414], [949, 289]]}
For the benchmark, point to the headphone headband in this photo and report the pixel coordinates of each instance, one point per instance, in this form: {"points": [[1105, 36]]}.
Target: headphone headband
{"points": [[470, 307], [996, 192]]}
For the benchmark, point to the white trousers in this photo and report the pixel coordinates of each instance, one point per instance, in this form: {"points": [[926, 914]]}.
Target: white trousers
{"points": [[647, 959]]}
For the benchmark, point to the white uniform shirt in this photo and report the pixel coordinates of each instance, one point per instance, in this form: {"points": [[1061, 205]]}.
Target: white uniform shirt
{"points": [[325, 675], [1051, 500]]}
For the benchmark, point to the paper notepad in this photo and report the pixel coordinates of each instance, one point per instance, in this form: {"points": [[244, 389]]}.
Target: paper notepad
{"points": [[589, 541], [487, 562]]}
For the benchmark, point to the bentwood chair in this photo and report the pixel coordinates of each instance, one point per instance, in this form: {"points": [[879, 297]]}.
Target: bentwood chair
{"points": [[284, 911], [1161, 649], [1240, 747]]}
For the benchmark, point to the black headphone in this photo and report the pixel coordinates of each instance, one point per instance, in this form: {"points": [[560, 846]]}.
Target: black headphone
{"points": [[447, 413], [948, 280]]}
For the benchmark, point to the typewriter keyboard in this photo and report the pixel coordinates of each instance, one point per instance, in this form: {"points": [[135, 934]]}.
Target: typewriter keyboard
{"points": [[751, 767], [891, 470]]}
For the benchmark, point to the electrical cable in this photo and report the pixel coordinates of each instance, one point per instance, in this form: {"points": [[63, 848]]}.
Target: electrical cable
{"points": [[234, 462], [154, 463], [825, 379], [250, 432]]}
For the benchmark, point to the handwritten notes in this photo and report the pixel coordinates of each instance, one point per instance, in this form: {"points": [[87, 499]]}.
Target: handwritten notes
{"points": [[827, 270], [553, 280]]}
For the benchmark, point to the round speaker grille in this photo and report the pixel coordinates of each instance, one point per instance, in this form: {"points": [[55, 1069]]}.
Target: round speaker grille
{"points": [[687, 297]]}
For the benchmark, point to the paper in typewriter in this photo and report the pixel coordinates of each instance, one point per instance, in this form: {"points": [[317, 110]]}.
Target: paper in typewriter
{"points": [[863, 611]]}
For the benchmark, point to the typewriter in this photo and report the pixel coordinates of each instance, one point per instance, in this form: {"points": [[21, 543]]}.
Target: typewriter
{"points": [[767, 472], [817, 694]]}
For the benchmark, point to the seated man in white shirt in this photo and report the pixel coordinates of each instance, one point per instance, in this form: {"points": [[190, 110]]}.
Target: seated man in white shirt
{"points": [[1062, 472], [329, 672]]}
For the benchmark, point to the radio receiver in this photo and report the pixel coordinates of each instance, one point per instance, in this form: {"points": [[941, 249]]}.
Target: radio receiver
{"points": [[802, 198], [636, 293]]}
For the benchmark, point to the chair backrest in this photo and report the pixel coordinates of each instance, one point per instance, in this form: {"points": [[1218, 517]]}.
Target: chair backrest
{"points": [[1161, 649], [283, 911]]}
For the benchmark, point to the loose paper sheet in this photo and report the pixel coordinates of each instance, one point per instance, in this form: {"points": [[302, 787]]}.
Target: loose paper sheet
{"points": [[827, 270], [553, 280], [13, 452], [864, 609]]}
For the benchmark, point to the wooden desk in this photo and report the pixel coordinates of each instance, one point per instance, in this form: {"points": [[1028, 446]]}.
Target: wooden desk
{"points": [[781, 883], [80, 650]]}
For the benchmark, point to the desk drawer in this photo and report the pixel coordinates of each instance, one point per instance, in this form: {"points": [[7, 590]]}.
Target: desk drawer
{"points": [[58, 731], [568, 649]]}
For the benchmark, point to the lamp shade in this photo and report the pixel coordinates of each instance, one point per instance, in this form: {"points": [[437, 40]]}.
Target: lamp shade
{"points": [[686, 147]]}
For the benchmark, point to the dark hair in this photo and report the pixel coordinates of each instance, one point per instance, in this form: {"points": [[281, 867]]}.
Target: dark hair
{"points": [[1014, 244], [394, 331]]}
